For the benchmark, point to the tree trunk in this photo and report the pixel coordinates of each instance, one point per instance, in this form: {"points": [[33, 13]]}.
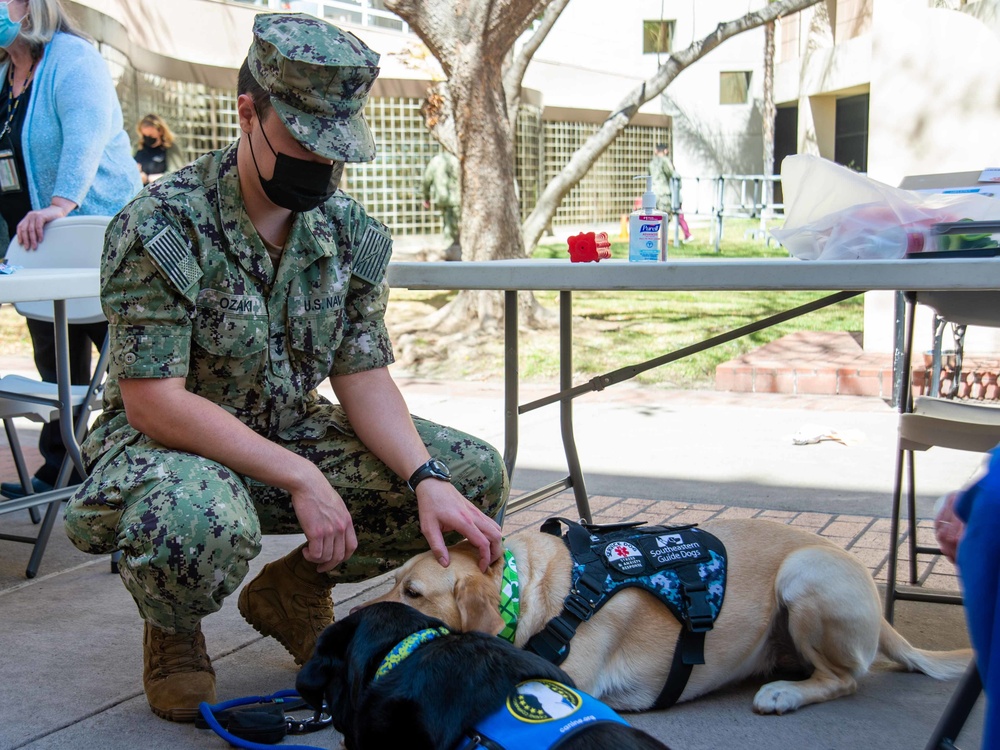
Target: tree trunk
{"points": [[768, 114], [472, 41]]}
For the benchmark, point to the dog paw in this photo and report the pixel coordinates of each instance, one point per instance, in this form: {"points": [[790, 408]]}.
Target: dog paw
{"points": [[777, 698]]}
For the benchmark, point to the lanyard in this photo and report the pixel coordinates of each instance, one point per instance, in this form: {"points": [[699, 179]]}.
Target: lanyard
{"points": [[13, 102]]}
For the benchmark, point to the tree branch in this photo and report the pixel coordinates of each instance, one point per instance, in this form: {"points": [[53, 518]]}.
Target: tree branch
{"points": [[514, 74], [431, 22], [507, 19]]}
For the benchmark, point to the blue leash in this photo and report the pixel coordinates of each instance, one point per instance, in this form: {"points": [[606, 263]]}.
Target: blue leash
{"points": [[293, 726]]}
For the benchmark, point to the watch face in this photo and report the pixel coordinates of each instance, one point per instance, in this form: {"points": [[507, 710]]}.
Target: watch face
{"points": [[438, 468], [432, 469]]}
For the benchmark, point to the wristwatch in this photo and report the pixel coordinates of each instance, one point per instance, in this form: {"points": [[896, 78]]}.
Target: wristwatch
{"points": [[433, 469]]}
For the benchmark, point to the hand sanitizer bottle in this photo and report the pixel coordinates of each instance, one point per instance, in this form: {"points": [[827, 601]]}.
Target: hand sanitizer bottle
{"points": [[647, 237]]}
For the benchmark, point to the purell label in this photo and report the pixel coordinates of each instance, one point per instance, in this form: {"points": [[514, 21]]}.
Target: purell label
{"points": [[644, 238]]}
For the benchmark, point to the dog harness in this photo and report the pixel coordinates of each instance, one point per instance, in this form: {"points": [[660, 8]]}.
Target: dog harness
{"points": [[538, 713], [682, 566]]}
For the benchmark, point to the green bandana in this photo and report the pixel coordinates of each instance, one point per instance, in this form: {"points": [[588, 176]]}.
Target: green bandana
{"points": [[406, 647], [510, 601]]}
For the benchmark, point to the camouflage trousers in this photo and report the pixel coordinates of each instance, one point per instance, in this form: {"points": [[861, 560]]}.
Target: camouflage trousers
{"points": [[187, 527], [451, 217]]}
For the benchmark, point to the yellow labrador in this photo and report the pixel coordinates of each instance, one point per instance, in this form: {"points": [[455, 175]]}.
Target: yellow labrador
{"points": [[793, 599]]}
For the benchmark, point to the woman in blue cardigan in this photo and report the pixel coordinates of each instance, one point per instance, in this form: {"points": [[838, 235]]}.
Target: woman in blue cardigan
{"points": [[63, 150]]}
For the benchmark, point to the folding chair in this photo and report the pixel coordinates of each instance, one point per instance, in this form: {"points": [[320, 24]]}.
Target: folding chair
{"points": [[930, 421], [72, 242]]}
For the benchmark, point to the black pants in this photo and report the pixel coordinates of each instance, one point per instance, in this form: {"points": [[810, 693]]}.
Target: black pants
{"points": [[43, 339]]}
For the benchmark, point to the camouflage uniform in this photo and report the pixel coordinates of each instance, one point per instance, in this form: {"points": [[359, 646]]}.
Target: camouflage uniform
{"points": [[662, 171], [441, 185], [190, 291]]}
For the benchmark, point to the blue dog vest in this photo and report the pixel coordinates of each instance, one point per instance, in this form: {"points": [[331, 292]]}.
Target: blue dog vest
{"points": [[539, 714], [682, 566]]}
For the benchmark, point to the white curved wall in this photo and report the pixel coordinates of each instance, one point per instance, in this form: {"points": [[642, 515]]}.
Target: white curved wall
{"points": [[935, 92]]}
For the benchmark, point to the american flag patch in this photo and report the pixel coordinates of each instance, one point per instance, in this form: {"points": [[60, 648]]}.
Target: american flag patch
{"points": [[372, 255], [172, 255]]}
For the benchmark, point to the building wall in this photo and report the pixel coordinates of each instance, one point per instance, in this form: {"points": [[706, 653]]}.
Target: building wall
{"points": [[935, 91], [934, 101], [935, 108], [823, 53]]}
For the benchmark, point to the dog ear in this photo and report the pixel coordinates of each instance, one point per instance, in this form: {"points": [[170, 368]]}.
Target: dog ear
{"points": [[325, 673], [478, 602], [313, 679]]}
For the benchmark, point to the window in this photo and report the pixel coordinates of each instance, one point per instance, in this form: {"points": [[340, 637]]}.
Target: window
{"points": [[657, 36], [734, 87], [851, 133]]}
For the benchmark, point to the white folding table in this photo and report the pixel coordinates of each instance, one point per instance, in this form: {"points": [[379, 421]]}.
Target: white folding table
{"points": [[845, 278]]}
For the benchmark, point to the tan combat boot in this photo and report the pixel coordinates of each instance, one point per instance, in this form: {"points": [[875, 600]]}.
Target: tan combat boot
{"points": [[290, 602], [177, 674]]}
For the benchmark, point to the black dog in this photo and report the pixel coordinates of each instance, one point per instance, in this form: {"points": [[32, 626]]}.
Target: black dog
{"points": [[440, 689]]}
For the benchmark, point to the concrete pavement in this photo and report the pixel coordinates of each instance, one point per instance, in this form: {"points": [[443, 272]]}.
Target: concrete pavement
{"points": [[70, 639]]}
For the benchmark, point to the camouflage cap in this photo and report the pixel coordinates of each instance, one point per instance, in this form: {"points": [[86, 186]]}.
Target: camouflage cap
{"points": [[319, 78]]}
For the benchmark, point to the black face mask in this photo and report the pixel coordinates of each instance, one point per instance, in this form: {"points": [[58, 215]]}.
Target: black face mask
{"points": [[148, 141], [297, 184]]}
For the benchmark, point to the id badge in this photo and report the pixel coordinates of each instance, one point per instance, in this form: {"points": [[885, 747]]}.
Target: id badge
{"points": [[9, 182]]}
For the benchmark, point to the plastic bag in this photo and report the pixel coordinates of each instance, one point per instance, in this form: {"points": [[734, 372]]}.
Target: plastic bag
{"points": [[834, 213]]}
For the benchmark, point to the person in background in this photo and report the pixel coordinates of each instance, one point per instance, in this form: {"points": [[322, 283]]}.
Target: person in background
{"points": [[967, 528], [662, 170], [235, 287], [441, 184], [63, 150], [158, 152]]}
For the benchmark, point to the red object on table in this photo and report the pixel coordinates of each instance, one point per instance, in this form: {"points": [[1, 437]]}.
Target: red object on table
{"points": [[589, 246]]}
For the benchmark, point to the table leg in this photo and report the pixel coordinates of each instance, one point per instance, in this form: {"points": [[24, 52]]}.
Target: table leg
{"points": [[42, 540], [67, 422], [566, 405], [510, 385], [67, 429]]}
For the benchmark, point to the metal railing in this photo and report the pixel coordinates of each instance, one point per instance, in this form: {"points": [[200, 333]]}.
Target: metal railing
{"points": [[743, 196], [728, 196]]}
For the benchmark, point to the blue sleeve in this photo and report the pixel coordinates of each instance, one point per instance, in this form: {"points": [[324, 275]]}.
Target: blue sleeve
{"points": [[988, 484], [979, 568], [84, 106]]}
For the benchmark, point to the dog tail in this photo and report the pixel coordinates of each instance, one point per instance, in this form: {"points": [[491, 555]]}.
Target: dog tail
{"points": [[941, 665]]}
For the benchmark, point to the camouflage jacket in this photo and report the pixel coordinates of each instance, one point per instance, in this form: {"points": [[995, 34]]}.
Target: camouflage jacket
{"points": [[661, 169], [189, 291], [441, 183]]}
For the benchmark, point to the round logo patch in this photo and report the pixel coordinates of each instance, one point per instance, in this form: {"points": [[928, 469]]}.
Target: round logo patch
{"points": [[538, 701], [624, 556]]}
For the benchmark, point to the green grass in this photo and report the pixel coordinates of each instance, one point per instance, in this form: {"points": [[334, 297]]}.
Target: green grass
{"points": [[615, 329]]}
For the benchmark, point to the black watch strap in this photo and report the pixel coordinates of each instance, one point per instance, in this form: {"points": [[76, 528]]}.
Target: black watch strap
{"points": [[432, 469]]}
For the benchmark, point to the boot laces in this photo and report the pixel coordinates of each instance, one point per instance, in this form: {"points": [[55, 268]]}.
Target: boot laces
{"points": [[318, 606], [179, 652]]}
